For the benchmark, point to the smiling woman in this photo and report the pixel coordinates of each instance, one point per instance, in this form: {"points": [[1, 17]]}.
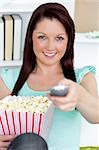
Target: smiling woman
{"points": [[49, 41], [48, 60]]}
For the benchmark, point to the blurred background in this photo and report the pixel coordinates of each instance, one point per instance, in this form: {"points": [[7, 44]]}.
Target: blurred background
{"points": [[86, 15]]}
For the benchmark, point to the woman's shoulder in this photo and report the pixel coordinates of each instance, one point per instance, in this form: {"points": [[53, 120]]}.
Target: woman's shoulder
{"points": [[9, 70], [81, 72], [9, 76]]}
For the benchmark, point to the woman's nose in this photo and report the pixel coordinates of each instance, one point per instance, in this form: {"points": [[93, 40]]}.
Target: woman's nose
{"points": [[51, 45]]}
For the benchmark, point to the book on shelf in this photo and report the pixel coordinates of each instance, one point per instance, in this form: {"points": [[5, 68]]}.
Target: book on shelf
{"points": [[17, 36], [8, 37], [1, 39]]}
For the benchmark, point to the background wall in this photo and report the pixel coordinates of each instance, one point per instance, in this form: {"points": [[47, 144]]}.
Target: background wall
{"points": [[86, 15]]}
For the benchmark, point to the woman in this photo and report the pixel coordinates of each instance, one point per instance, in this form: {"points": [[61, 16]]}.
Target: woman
{"points": [[48, 61]]}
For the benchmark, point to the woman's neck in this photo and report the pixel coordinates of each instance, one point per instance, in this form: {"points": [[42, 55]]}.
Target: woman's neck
{"points": [[48, 70], [48, 76]]}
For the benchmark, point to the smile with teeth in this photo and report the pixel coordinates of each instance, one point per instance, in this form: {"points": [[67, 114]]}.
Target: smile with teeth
{"points": [[49, 54]]}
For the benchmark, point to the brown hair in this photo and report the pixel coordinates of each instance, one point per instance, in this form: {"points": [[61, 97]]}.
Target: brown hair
{"points": [[48, 10]]}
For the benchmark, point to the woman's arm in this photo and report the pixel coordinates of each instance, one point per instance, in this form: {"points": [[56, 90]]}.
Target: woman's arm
{"points": [[4, 91], [4, 139], [84, 97], [88, 103]]}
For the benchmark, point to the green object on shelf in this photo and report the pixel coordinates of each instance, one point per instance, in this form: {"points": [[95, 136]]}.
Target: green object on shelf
{"points": [[89, 148], [93, 35]]}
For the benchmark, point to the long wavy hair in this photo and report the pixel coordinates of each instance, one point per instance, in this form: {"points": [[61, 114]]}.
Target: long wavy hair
{"points": [[50, 11]]}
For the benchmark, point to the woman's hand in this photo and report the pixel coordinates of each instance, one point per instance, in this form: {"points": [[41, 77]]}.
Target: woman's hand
{"points": [[68, 102], [5, 141]]}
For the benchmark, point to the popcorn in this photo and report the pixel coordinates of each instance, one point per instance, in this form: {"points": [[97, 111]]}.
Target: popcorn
{"points": [[22, 114], [37, 104]]}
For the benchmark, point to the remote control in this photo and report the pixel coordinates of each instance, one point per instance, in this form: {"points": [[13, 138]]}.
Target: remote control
{"points": [[59, 90]]}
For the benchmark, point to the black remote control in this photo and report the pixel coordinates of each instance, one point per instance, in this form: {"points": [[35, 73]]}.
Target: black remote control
{"points": [[59, 90]]}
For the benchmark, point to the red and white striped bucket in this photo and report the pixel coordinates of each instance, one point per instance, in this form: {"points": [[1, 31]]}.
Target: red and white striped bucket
{"points": [[24, 122]]}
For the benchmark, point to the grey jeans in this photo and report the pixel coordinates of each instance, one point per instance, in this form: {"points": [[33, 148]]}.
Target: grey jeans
{"points": [[28, 141]]}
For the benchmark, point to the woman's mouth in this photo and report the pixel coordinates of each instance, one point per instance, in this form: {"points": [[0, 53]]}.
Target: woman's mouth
{"points": [[50, 54]]}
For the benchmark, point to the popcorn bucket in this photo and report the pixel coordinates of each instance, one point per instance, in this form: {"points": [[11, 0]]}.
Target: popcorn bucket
{"points": [[13, 122]]}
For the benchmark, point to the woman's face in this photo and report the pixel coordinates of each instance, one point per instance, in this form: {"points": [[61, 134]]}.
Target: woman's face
{"points": [[49, 41]]}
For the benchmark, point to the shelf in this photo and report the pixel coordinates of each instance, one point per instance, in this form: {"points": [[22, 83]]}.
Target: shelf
{"points": [[10, 63], [16, 6], [82, 38], [31, 5]]}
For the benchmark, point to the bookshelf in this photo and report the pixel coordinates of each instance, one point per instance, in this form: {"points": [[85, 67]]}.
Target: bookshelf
{"points": [[25, 9], [12, 63], [25, 13]]}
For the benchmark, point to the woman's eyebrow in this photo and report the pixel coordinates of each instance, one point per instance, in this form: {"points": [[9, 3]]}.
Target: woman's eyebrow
{"points": [[56, 34], [40, 33], [61, 34]]}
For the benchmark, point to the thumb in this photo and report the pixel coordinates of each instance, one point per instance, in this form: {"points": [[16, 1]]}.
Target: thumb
{"points": [[65, 81]]}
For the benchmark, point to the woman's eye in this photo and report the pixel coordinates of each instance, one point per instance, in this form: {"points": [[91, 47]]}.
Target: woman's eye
{"points": [[59, 38], [42, 37]]}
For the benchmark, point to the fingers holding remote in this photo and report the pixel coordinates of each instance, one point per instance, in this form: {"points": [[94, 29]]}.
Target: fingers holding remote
{"points": [[64, 95]]}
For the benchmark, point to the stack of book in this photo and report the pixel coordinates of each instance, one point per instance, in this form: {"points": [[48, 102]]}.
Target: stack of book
{"points": [[10, 37]]}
